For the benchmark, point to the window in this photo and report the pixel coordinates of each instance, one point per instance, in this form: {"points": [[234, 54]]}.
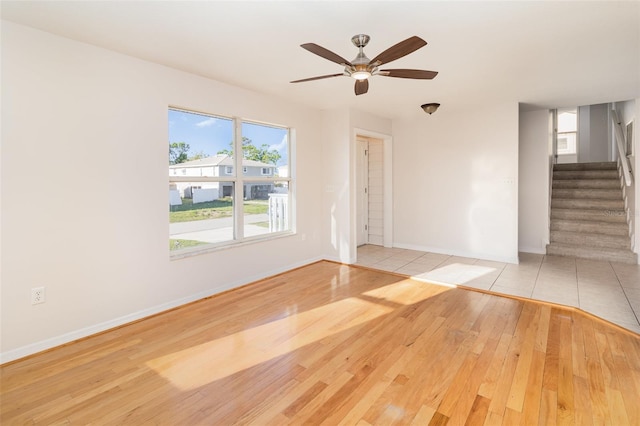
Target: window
{"points": [[211, 209], [567, 133]]}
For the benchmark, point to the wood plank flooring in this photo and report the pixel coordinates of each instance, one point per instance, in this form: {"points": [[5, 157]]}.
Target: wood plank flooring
{"points": [[332, 344]]}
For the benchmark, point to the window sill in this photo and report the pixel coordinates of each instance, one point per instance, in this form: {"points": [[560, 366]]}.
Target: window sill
{"points": [[211, 248]]}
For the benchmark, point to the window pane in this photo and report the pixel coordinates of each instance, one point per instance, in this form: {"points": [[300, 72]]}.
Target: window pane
{"points": [[266, 145], [200, 213], [199, 144], [567, 143], [266, 207], [567, 120]]}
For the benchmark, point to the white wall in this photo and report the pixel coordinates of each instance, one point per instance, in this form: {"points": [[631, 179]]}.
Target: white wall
{"points": [[533, 182], [455, 182], [593, 133], [339, 199], [71, 110], [335, 185]]}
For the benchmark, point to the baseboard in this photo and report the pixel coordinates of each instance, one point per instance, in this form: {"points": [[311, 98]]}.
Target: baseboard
{"points": [[535, 250], [461, 253], [63, 339]]}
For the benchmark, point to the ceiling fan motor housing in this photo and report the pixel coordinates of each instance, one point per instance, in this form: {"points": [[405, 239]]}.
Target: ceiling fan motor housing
{"points": [[360, 40]]}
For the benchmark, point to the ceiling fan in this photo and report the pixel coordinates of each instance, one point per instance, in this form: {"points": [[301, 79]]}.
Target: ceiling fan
{"points": [[361, 68]]}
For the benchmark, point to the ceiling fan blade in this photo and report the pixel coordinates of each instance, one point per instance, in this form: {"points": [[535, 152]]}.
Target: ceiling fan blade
{"points": [[399, 50], [362, 86], [325, 53], [317, 78], [404, 73]]}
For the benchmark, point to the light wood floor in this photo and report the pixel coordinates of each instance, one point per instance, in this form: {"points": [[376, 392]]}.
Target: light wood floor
{"points": [[332, 344]]}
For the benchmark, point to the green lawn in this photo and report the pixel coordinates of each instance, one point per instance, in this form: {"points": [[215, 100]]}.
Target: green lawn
{"points": [[188, 212], [180, 244]]}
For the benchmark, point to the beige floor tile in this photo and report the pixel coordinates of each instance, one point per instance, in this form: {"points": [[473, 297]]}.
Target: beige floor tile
{"points": [[628, 275], [630, 326], [617, 314], [412, 269], [513, 291], [566, 299], [608, 290], [393, 264], [519, 284], [431, 258], [407, 255], [530, 258]]}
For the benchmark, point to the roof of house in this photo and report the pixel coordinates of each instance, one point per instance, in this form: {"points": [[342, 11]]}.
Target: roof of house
{"points": [[218, 160]]}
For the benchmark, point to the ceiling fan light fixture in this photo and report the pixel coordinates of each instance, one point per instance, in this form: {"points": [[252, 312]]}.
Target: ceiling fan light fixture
{"points": [[361, 75], [430, 108]]}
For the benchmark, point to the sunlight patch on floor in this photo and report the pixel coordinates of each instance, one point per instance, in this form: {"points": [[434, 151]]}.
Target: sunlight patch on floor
{"points": [[404, 292], [454, 274], [236, 352]]}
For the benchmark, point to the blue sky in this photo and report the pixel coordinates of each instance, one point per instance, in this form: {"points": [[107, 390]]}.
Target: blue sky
{"points": [[209, 134]]}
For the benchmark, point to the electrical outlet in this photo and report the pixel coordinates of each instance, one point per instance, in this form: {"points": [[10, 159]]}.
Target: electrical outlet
{"points": [[37, 295]]}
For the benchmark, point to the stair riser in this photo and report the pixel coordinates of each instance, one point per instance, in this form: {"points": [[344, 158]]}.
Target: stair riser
{"points": [[587, 184], [597, 194], [589, 174], [605, 205], [619, 229], [591, 240], [609, 255], [609, 216], [587, 166]]}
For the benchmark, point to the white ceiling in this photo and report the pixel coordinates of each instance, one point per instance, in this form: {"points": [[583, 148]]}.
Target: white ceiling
{"points": [[544, 54]]}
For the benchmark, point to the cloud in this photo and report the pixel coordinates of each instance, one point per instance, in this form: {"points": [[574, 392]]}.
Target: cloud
{"points": [[282, 145], [206, 123]]}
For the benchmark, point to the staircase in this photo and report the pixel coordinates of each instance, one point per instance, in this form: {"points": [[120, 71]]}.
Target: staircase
{"points": [[588, 218]]}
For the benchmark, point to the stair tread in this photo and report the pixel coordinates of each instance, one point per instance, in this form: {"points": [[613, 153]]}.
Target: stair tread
{"points": [[607, 250], [601, 253], [596, 165], [577, 209], [610, 216], [591, 234], [590, 222]]}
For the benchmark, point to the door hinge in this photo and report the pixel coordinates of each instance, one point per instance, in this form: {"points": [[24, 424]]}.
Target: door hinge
{"points": [[365, 190], [366, 152], [366, 227]]}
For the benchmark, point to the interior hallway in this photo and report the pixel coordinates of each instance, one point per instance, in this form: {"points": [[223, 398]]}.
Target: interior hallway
{"points": [[606, 289]]}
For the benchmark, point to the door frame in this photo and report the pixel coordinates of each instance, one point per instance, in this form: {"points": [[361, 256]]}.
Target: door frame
{"points": [[387, 167], [362, 192]]}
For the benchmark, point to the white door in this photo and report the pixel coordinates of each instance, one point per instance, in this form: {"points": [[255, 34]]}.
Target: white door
{"points": [[375, 191], [362, 185]]}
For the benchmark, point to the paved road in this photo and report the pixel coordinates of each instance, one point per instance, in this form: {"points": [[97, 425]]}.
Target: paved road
{"points": [[216, 230], [203, 225]]}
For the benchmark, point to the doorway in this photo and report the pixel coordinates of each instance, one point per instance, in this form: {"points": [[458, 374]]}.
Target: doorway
{"points": [[370, 190]]}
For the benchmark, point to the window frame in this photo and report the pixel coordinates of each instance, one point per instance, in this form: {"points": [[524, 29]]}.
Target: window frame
{"points": [[238, 180], [575, 133]]}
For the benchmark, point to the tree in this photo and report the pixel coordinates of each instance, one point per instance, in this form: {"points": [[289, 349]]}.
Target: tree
{"points": [[178, 152], [251, 152], [198, 156]]}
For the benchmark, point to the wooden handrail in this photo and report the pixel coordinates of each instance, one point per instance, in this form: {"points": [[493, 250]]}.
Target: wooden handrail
{"points": [[622, 153]]}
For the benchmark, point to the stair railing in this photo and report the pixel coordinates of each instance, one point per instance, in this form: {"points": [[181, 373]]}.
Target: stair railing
{"points": [[622, 152]]}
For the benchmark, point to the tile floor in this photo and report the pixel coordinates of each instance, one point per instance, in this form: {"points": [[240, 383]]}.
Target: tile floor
{"points": [[606, 289]]}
